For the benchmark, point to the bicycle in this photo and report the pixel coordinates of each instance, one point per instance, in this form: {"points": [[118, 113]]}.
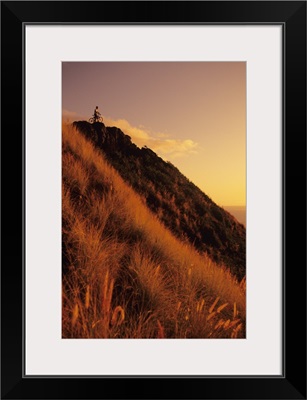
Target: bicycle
{"points": [[94, 119]]}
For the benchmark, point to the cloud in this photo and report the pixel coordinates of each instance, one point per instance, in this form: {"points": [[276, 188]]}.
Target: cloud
{"points": [[162, 135], [175, 148], [70, 116], [161, 143], [139, 134]]}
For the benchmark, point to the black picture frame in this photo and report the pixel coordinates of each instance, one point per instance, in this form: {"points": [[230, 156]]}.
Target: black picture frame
{"points": [[292, 16]]}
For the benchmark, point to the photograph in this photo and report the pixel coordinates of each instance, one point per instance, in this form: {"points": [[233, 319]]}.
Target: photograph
{"points": [[153, 200], [151, 184]]}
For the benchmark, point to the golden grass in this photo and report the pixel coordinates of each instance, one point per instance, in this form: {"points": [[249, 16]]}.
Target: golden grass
{"points": [[124, 274]]}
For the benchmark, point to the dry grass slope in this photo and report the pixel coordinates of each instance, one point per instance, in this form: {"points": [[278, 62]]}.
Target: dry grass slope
{"points": [[124, 274]]}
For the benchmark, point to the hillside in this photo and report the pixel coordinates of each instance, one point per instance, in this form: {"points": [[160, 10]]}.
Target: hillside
{"points": [[125, 275], [182, 207]]}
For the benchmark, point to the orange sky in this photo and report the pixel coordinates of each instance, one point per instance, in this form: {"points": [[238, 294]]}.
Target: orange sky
{"points": [[190, 113]]}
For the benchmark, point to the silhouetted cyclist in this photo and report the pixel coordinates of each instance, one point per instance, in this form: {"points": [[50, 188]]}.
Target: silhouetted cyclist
{"points": [[96, 116]]}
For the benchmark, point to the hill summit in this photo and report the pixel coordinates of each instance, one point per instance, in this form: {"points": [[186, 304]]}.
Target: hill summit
{"points": [[179, 204]]}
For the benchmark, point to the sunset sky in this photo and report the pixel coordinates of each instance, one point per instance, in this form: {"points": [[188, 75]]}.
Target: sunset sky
{"points": [[190, 113]]}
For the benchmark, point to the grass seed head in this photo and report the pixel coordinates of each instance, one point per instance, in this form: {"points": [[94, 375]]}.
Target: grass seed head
{"points": [[75, 315], [118, 316]]}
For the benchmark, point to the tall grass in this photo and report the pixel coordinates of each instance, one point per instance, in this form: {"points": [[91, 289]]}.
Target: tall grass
{"points": [[124, 274]]}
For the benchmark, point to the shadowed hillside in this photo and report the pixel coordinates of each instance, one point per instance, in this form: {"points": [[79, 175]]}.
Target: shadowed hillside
{"points": [[182, 207], [125, 275]]}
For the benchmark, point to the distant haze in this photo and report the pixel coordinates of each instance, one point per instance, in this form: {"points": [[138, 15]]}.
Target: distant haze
{"points": [[190, 113], [238, 212]]}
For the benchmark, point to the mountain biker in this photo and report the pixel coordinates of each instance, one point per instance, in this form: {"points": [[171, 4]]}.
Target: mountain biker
{"points": [[97, 115]]}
